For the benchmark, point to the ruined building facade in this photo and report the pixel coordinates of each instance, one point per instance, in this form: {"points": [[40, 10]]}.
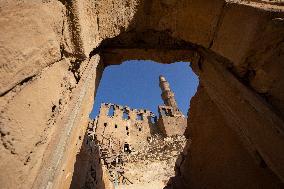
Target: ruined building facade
{"points": [[122, 126], [122, 144]]}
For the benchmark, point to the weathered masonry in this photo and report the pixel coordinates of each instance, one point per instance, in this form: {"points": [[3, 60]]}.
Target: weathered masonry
{"points": [[53, 54], [107, 161], [122, 144], [124, 126], [171, 120]]}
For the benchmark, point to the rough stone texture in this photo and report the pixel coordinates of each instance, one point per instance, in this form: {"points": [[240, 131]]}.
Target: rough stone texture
{"points": [[248, 117], [31, 36], [123, 145], [121, 125], [67, 140], [221, 151], [102, 165], [256, 54], [88, 169], [24, 138], [48, 43], [171, 122]]}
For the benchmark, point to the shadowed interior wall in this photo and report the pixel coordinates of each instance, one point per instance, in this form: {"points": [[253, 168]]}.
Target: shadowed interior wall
{"points": [[216, 155]]}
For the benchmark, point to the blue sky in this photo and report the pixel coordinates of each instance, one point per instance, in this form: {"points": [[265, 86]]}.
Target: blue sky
{"points": [[136, 84]]}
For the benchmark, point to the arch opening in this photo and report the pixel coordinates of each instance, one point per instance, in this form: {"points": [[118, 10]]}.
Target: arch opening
{"points": [[137, 102]]}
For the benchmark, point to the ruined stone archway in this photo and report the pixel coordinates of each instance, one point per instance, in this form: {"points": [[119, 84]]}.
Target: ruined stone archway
{"points": [[240, 70]]}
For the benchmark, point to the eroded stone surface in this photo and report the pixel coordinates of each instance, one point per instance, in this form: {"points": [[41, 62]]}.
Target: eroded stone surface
{"points": [[126, 147], [45, 43], [110, 164], [31, 36]]}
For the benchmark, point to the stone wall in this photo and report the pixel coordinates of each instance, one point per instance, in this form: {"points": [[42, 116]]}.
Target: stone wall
{"points": [[171, 122], [216, 156], [89, 171], [50, 67], [123, 125]]}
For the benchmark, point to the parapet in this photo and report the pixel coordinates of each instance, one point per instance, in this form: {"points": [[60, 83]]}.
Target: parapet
{"points": [[124, 112], [169, 111], [122, 125], [171, 121]]}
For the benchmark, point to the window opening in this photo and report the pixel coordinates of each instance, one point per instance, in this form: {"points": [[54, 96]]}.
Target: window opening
{"points": [[140, 117], [126, 128], [127, 148], [125, 114], [105, 124], [111, 111], [153, 119], [166, 112], [170, 113], [163, 112], [115, 126]]}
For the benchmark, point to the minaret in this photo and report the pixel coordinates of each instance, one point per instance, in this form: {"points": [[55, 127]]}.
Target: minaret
{"points": [[167, 95], [171, 119]]}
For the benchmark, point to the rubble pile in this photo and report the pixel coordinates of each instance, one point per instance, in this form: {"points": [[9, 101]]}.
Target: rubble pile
{"points": [[154, 160], [159, 149]]}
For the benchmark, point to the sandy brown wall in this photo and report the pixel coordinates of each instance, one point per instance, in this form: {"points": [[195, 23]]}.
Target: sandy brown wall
{"points": [[48, 79], [46, 90], [217, 158]]}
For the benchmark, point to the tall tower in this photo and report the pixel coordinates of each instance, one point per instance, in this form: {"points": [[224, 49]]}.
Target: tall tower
{"points": [[171, 120], [167, 95]]}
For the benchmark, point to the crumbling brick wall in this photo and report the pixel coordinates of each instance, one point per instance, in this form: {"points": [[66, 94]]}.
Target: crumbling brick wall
{"points": [[121, 125], [171, 122]]}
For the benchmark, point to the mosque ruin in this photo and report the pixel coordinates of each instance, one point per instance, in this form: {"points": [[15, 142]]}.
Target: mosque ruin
{"points": [[131, 126], [53, 54], [132, 147]]}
